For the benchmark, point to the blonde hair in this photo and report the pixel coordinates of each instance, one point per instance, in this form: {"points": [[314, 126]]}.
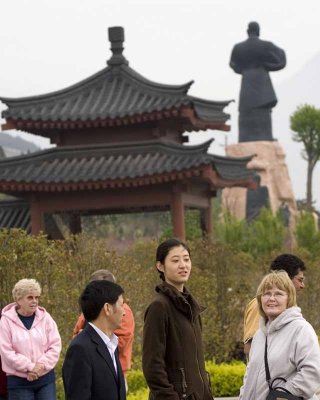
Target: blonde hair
{"points": [[281, 280], [24, 287]]}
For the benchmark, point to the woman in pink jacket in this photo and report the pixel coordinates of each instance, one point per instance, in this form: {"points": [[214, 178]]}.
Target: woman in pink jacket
{"points": [[30, 345]]}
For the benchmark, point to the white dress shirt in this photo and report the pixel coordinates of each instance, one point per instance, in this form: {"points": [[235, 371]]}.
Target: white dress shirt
{"points": [[111, 343]]}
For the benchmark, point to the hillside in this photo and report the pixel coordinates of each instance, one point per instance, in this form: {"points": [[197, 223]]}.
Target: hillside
{"points": [[14, 145]]}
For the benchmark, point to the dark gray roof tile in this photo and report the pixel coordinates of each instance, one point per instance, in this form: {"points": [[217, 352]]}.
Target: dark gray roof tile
{"points": [[115, 92], [116, 162], [15, 214]]}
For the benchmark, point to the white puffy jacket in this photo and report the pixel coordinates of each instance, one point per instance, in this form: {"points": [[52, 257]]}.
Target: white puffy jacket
{"points": [[293, 354]]}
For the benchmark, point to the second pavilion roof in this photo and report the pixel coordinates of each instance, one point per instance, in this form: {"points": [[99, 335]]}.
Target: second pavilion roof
{"points": [[122, 165]]}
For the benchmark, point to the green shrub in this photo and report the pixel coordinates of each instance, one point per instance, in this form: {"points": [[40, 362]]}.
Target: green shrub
{"points": [[136, 381], [224, 279], [226, 379], [142, 394], [263, 235]]}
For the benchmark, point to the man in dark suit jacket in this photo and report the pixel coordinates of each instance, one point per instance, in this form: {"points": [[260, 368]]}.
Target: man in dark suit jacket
{"points": [[91, 369]]}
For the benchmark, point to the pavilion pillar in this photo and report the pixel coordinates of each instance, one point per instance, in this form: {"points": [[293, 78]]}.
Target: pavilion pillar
{"points": [[75, 224], [177, 214], [206, 221], [37, 218]]}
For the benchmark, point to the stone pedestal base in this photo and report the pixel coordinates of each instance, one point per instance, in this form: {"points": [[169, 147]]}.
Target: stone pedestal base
{"points": [[270, 164]]}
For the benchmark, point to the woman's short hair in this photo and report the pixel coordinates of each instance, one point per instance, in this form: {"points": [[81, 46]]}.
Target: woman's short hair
{"points": [[164, 248], [102, 275], [281, 280], [24, 287]]}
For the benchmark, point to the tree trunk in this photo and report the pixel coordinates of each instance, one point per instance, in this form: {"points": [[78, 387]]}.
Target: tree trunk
{"points": [[309, 185]]}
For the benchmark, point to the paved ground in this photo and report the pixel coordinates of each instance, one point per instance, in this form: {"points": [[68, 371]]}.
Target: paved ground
{"points": [[226, 398]]}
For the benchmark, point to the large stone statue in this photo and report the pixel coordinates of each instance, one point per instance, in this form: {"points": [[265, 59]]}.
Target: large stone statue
{"points": [[253, 59]]}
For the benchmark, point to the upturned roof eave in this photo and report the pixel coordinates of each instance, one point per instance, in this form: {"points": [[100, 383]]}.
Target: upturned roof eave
{"points": [[91, 149], [94, 79], [198, 121], [79, 164], [203, 172]]}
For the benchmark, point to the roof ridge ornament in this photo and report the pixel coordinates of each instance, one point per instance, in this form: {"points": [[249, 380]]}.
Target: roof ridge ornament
{"points": [[116, 37]]}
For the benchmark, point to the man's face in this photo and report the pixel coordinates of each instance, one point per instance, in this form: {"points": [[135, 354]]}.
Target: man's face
{"points": [[117, 313], [298, 281]]}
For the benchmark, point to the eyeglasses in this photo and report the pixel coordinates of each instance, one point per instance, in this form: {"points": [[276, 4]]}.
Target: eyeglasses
{"points": [[276, 295]]}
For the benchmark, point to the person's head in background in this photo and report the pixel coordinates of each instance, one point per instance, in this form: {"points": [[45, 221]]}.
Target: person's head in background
{"points": [[102, 275], [293, 266]]}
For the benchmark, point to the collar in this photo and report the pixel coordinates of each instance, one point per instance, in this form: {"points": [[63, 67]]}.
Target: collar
{"points": [[110, 342], [183, 301]]}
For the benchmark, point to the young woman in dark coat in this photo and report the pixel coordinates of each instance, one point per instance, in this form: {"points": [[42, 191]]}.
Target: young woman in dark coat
{"points": [[172, 358]]}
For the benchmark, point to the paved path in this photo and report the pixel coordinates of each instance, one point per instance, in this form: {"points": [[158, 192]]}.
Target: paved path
{"points": [[226, 398]]}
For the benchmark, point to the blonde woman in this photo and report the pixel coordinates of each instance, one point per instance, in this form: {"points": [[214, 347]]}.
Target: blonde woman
{"points": [[292, 345], [30, 345]]}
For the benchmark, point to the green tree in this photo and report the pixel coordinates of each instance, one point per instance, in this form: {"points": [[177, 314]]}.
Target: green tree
{"points": [[305, 122], [307, 233], [266, 233]]}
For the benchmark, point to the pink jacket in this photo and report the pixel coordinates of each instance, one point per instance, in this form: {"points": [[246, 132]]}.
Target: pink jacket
{"points": [[21, 349]]}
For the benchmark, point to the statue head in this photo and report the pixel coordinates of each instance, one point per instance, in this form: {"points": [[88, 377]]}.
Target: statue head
{"points": [[253, 29]]}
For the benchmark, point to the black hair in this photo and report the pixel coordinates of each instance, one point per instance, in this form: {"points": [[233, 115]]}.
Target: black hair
{"points": [[164, 248], [95, 295], [289, 263]]}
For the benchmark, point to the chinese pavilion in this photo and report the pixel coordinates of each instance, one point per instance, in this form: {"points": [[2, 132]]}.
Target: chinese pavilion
{"points": [[119, 149]]}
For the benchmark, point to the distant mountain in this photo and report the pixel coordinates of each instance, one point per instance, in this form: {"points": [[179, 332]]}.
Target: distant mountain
{"points": [[14, 145], [304, 87]]}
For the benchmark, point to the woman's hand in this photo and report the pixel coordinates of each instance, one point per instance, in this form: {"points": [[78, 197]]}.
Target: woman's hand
{"points": [[32, 376], [38, 368], [35, 373]]}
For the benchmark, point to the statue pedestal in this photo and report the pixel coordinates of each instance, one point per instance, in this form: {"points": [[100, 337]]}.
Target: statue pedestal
{"points": [[270, 165]]}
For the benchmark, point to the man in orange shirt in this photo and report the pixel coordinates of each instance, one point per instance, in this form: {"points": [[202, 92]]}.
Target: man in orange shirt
{"points": [[125, 333]]}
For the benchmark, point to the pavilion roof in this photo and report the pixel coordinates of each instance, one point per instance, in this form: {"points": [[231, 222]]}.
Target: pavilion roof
{"points": [[15, 213], [117, 95], [118, 165]]}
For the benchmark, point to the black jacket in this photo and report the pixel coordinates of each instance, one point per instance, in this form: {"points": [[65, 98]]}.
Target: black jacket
{"points": [[88, 371], [172, 357]]}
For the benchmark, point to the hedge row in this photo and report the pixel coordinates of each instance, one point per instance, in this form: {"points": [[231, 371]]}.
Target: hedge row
{"points": [[223, 279], [226, 380]]}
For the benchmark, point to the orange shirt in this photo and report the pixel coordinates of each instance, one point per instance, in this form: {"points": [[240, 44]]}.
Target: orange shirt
{"points": [[125, 334], [251, 320]]}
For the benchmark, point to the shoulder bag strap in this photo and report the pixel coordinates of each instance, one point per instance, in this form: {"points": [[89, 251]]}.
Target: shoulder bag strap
{"points": [[268, 377]]}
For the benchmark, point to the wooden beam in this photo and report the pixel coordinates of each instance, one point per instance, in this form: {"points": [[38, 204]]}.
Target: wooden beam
{"points": [[206, 221], [105, 199], [75, 223], [8, 125], [37, 221]]}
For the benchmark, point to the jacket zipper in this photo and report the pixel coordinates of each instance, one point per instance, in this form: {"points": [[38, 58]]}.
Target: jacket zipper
{"points": [[198, 359], [195, 336], [184, 383]]}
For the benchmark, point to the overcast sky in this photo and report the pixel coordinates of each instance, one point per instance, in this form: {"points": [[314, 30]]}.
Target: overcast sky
{"points": [[47, 45]]}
